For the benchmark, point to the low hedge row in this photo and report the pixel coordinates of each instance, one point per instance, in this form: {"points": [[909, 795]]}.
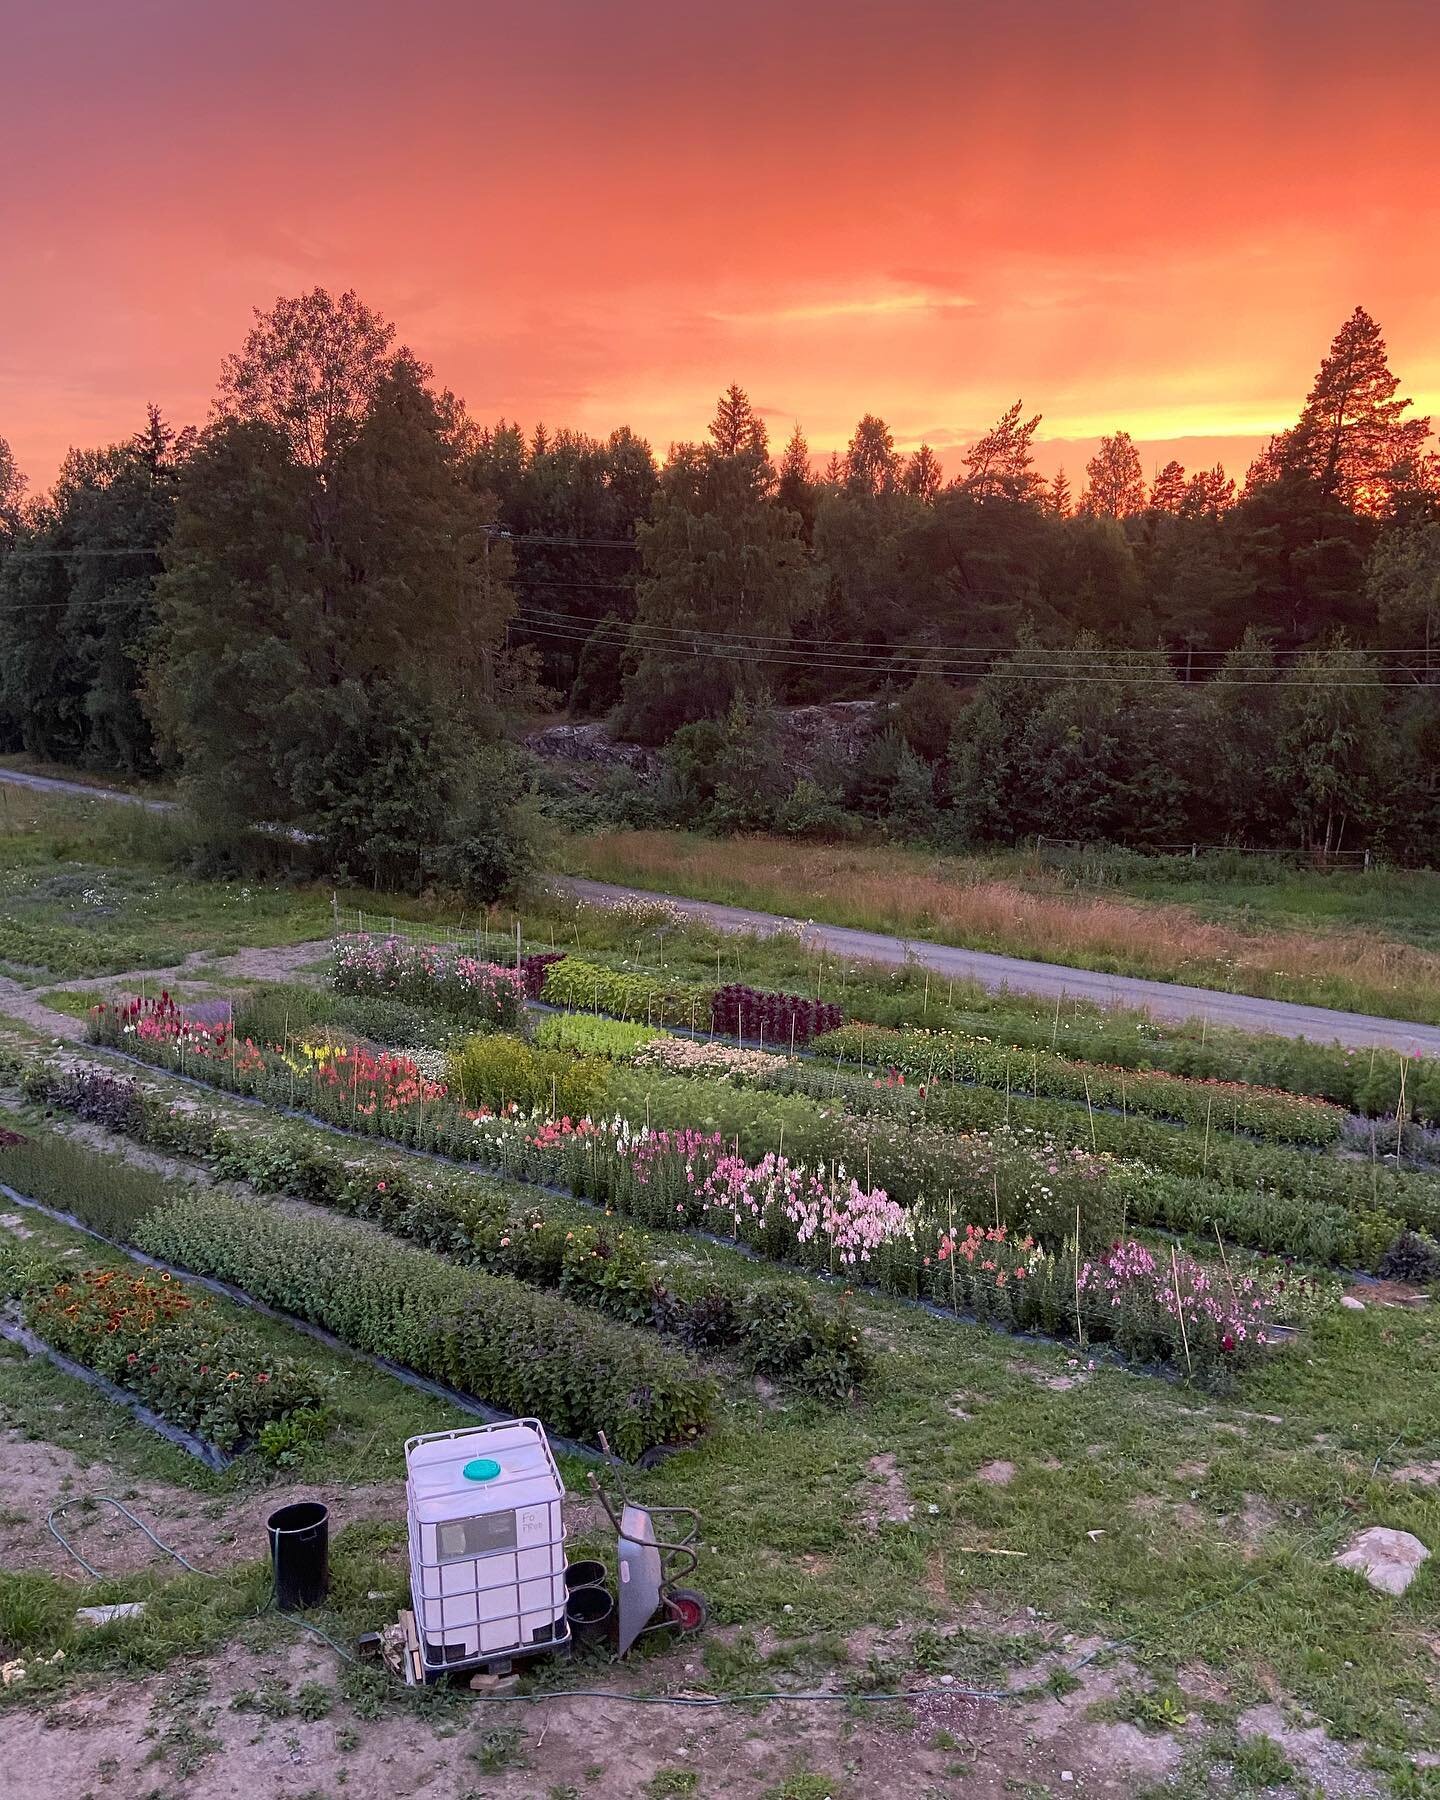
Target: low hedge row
{"points": [[488, 1335], [476, 1221], [667, 1396], [1216, 1105]]}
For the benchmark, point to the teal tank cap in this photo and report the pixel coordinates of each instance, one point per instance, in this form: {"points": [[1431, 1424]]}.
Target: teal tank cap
{"points": [[484, 1468]]}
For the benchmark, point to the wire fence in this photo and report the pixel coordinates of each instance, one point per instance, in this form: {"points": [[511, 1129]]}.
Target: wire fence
{"points": [[1344, 859]]}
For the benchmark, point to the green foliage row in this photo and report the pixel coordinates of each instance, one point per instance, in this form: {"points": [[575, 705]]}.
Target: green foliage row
{"points": [[591, 1034], [271, 1012], [479, 1222], [1366, 1081], [1221, 1106], [649, 999], [487, 1335]]}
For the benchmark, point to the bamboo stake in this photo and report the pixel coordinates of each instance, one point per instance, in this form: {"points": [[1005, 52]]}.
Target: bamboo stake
{"points": [[1091, 1110], [1205, 1157], [1075, 1265], [1225, 1262], [1180, 1310]]}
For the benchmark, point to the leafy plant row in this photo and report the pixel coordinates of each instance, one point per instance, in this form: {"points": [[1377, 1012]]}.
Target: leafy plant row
{"points": [[1211, 1105], [817, 1215], [1366, 1081], [173, 1349], [485, 1334], [780, 1331]]}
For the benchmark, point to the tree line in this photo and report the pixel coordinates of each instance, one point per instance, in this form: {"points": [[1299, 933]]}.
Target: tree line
{"points": [[326, 607]]}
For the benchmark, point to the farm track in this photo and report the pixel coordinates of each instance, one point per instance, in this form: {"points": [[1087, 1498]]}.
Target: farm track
{"points": [[1059, 981]]}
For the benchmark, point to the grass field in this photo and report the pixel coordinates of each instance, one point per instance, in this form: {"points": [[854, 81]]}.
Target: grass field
{"points": [[1362, 943]]}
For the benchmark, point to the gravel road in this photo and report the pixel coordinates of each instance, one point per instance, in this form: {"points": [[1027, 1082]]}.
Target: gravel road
{"points": [[1162, 999]]}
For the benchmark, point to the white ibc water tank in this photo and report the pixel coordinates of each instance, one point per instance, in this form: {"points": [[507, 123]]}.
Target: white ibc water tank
{"points": [[487, 1544]]}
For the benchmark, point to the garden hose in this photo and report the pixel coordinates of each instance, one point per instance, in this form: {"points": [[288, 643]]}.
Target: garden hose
{"points": [[935, 1691]]}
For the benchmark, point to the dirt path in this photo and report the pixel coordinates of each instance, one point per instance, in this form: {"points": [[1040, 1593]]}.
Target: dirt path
{"points": [[276, 962]]}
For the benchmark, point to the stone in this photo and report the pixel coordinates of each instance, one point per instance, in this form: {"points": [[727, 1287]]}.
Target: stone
{"points": [[1389, 1560], [1351, 1304], [107, 1615]]}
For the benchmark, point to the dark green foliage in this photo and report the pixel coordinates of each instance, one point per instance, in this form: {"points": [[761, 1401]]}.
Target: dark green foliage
{"points": [[486, 1335]]}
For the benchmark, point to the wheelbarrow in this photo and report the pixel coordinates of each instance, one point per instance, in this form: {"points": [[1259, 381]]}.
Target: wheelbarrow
{"points": [[650, 1565]]}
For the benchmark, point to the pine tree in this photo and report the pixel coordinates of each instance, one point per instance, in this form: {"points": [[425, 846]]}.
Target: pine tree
{"points": [[12, 492], [999, 465], [1168, 492], [1116, 481], [737, 428], [795, 488], [1208, 493], [1057, 495], [923, 474], [1351, 439], [872, 463]]}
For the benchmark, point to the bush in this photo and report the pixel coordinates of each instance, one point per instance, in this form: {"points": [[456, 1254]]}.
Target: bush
{"points": [[483, 1334], [175, 1352], [110, 1198], [1414, 1256], [499, 1072], [532, 970]]}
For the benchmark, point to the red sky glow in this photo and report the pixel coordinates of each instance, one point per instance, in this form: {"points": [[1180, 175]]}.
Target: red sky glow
{"points": [[1134, 216]]}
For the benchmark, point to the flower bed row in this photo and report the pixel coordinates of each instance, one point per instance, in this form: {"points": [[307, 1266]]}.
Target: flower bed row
{"points": [[176, 1354], [817, 1216], [1209, 1104], [455, 982], [1365, 1081], [1234, 1171], [784, 1335], [433, 975], [485, 1334]]}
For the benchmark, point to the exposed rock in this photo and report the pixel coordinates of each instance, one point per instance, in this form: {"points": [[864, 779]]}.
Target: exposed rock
{"points": [[996, 1474], [1389, 1560], [1351, 1304]]}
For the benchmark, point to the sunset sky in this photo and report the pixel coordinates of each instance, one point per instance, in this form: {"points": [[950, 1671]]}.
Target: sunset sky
{"points": [[592, 214]]}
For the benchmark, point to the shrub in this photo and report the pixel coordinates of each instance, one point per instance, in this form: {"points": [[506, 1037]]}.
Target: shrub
{"points": [[500, 1072], [777, 1019], [532, 970], [484, 1334], [175, 1352], [1414, 1256]]}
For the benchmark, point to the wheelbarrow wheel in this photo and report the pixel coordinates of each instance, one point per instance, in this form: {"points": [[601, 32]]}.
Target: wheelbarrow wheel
{"points": [[688, 1609]]}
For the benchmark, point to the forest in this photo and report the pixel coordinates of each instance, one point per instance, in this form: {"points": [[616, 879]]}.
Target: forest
{"points": [[332, 605]]}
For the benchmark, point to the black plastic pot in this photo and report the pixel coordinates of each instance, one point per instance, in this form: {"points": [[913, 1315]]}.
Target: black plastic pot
{"points": [[300, 1554], [585, 1573], [590, 1612]]}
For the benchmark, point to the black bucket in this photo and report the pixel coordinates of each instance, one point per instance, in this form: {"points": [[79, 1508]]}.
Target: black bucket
{"points": [[300, 1553], [585, 1573], [590, 1612]]}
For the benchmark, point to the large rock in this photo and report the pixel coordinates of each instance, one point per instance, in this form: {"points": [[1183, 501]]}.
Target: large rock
{"points": [[1389, 1560]]}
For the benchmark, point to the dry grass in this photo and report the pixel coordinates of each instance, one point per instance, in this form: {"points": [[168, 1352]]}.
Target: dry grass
{"points": [[952, 901]]}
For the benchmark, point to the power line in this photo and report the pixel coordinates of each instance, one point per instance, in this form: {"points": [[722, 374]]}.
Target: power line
{"points": [[1061, 673]]}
